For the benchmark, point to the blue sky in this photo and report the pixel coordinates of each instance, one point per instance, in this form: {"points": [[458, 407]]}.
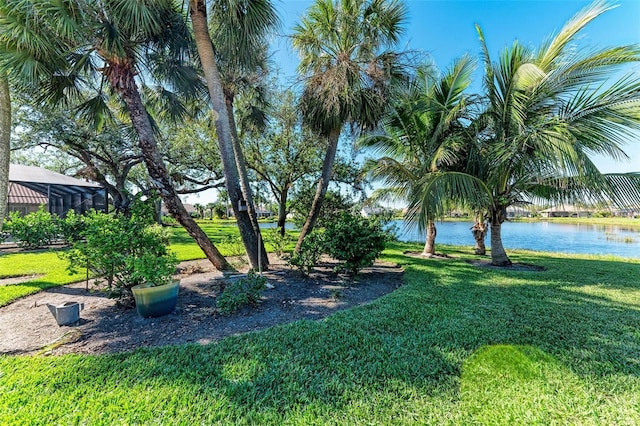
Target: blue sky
{"points": [[446, 30]]}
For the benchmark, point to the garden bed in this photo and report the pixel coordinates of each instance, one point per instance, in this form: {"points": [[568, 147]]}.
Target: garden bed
{"points": [[28, 327]]}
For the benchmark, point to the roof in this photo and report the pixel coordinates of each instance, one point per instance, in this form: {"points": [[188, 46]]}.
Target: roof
{"points": [[19, 194], [50, 183], [20, 173], [569, 208]]}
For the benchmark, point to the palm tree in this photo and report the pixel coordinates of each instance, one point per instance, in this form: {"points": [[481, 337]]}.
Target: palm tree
{"points": [[200, 209], [547, 110], [423, 134], [240, 29], [348, 67], [65, 49], [5, 144], [210, 207]]}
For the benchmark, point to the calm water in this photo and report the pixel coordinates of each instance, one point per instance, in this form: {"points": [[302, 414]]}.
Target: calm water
{"points": [[541, 236]]}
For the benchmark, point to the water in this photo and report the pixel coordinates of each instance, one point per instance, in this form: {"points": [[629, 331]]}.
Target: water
{"points": [[540, 236]]}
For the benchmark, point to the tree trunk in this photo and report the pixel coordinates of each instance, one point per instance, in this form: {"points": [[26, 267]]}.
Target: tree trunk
{"points": [[244, 181], [430, 244], [479, 231], [282, 212], [498, 255], [127, 88], [198, 12], [5, 145], [321, 190]]}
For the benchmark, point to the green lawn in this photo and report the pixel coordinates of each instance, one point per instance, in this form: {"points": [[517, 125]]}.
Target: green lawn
{"points": [[455, 345]]}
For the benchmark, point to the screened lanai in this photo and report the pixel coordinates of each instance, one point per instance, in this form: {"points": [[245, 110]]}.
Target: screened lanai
{"points": [[30, 187]]}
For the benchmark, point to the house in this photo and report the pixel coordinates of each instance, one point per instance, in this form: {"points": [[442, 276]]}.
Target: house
{"points": [[517, 211], [565, 211], [30, 187]]}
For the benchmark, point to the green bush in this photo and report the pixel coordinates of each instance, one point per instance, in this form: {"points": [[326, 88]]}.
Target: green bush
{"points": [[34, 230], [310, 251], [278, 242], [71, 227], [123, 250], [355, 240], [242, 292]]}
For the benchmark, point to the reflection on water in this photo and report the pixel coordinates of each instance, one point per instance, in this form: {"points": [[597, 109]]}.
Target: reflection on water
{"points": [[542, 236]]}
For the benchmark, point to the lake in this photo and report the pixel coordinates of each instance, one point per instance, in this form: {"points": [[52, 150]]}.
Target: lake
{"points": [[541, 236]]}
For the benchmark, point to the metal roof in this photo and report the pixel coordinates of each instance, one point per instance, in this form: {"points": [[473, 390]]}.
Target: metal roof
{"points": [[30, 174], [50, 183], [19, 194]]}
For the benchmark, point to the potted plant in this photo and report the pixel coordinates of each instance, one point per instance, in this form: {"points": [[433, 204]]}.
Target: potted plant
{"points": [[130, 253], [157, 291]]}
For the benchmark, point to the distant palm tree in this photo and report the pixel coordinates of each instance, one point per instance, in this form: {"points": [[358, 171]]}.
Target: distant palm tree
{"points": [[210, 207], [200, 209], [65, 49], [547, 111], [348, 65], [423, 134]]}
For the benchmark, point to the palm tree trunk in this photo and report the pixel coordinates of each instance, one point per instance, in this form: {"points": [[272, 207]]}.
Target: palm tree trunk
{"points": [[498, 255], [5, 145], [321, 190], [479, 231], [127, 88], [198, 12], [430, 244], [244, 181]]}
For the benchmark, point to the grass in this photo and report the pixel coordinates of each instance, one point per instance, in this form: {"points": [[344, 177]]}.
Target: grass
{"points": [[455, 345]]}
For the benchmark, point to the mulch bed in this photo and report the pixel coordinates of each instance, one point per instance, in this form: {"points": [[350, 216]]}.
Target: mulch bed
{"points": [[27, 326]]}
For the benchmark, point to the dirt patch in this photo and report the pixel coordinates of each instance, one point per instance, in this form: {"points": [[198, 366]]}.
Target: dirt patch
{"points": [[436, 256], [18, 279], [27, 326], [526, 267]]}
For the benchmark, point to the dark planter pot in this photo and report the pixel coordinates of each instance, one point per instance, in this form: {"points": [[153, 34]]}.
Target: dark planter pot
{"points": [[155, 301]]}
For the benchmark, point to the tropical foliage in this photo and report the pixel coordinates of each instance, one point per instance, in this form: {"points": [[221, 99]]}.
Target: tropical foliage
{"points": [[349, 63], [548, 111], [423, 134], [72, 53]]}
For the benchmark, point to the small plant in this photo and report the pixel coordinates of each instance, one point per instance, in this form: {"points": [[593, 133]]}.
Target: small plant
{"points": [[278, 241], [242, 292], [232, 246], [310, 251], [355, 240]]}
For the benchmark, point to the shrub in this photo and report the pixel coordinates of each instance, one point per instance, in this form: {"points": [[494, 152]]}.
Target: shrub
{"points": [[71, 227], [242, 292], [123, 250], [278, 242], [34, 230], [355, 240], [310, 251]]}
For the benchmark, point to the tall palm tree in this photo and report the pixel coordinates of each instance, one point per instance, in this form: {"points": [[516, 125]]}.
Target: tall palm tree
{"points": [[348, 65], [423, 134], [65, 49], [5, 144], [548, 110], [239, 30]]}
